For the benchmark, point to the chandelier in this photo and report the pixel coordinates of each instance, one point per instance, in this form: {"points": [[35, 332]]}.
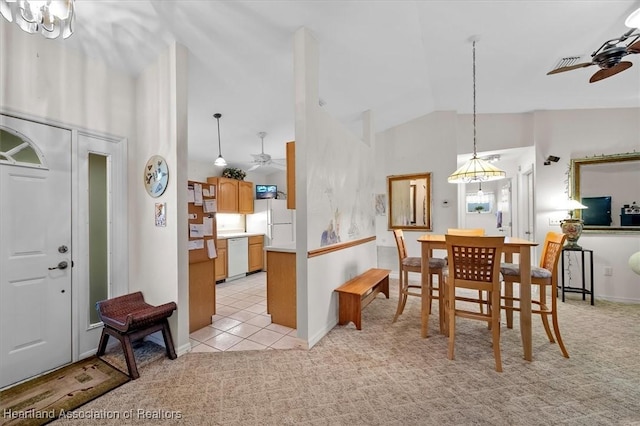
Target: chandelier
{"points": [[51, 18], [476, 169]]}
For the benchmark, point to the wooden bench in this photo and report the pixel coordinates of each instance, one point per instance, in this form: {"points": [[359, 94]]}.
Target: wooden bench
{"points": [[128, 318], [358, 292]]}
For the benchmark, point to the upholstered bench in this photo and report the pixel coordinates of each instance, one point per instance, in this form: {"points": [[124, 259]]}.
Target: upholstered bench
{"points": [[128, 318], [358, 292]]}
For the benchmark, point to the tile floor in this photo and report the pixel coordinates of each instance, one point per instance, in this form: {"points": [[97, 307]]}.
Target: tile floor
{"points": [[241, 321]]}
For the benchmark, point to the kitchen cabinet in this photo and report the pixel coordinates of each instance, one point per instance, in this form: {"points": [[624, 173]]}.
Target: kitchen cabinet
{"points": [[256, 253], [221, 260], [291, 175], [233, 196], [245, 197], [226, 194], [281, 287]]}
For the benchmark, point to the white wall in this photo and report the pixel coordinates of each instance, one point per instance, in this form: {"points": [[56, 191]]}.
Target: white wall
{"points": [[426, 144], [334, 173], [41, 78], [579, 134], [422, 145], [160, 264]]}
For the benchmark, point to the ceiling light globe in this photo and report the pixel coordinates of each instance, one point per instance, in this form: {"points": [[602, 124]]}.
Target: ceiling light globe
{"points": [[220, 161]]}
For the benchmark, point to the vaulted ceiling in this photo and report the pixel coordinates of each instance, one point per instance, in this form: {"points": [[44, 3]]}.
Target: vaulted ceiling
{"points": [[401, 59]]}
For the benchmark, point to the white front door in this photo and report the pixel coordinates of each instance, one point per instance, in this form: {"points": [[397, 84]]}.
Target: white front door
{"points": [[35, 249]]}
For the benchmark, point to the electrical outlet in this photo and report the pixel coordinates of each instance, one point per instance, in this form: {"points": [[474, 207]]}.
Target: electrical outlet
{"points": [[608, 271], [555, 222]]}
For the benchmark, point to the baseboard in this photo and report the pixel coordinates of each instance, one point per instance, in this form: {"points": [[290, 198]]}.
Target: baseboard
{"points": [[88, 354], [319, 335], [184, 349], [605, 298]]}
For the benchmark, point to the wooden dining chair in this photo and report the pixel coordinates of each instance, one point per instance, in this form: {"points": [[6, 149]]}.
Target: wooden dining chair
{"points": [[474, 264], [470, 232], [544, 276], [408, 264]]}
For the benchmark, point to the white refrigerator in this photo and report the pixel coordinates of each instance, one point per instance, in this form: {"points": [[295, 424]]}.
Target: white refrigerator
{"points": [[272, 218]]}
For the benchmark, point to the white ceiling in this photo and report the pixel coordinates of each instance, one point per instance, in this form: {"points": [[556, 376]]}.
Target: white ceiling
{"points": [[401, 59]]}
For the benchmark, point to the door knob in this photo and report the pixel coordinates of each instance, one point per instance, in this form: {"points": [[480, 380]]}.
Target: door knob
{"points": [[61, 265]]}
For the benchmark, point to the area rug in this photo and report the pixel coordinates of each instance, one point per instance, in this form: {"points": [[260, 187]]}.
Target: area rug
{"points": [[145, 352], [56, 394]]}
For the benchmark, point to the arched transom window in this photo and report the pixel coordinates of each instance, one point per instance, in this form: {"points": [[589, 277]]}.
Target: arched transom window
{"points": [[17, 149]]}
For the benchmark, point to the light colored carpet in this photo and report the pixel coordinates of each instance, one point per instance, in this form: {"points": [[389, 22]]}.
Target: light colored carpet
{"points": [[387, 375]]}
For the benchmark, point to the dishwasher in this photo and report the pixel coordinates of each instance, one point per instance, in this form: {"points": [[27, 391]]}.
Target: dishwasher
{"points": [[238, 257]]}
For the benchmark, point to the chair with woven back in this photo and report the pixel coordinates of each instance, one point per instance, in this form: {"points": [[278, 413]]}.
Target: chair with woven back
{"points": [[544, 276], [474, 264], [470, 232], [414, 264]]}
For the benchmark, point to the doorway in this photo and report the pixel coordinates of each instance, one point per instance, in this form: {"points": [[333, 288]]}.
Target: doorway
{"points": [[35, 249], [529, 204], [49, 178]]}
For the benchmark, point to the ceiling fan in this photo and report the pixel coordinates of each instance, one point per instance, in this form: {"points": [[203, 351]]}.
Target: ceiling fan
{"points": [[263, 159], [608, 57]]}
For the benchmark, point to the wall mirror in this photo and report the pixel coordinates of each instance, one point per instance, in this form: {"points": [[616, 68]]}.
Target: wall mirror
{"points": [[409, 201], [608, 186]]}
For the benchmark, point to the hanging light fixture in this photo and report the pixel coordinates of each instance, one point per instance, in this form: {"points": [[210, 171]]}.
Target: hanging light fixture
{"points": [[219, 161], [50, 18], [476, 169]]}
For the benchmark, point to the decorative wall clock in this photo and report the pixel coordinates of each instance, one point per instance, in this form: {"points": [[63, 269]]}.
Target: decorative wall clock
{"points": [[156, 176]]}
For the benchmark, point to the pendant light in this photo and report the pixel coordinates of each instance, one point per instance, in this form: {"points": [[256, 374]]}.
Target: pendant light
{"points": [[219, 161], [476, 169]]}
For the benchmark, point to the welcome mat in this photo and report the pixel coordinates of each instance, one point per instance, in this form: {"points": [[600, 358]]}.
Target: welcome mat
{"points": [[56, 394]]}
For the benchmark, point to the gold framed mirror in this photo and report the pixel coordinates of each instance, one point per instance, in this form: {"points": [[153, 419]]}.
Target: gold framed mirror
{"points": [[608, 186], [409, 201]]}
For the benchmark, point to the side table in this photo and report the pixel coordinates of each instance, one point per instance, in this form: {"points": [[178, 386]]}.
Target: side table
{"points": [[583, 290]]}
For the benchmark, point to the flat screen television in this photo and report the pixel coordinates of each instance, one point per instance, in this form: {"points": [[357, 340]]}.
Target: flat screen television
{"points": [[266, 191], [598, 211]]}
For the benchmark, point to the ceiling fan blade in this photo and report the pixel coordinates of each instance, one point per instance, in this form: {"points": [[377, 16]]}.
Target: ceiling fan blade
{"points": [[602, 74], [278, 166], [569, 68], [252, 168], [634, 48]]}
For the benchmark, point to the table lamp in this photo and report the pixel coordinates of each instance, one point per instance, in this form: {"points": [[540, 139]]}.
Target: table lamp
{"points": [[571, 226]]}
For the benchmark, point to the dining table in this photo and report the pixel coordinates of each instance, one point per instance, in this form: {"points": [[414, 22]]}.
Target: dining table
{"points": [[512, 245]]}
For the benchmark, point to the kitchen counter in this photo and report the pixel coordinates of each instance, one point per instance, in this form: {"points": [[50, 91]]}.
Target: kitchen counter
{"points": [[282, 248], [238, 235]]}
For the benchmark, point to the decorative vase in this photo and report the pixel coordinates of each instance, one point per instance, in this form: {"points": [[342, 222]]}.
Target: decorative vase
{"points": [[573, 229]]}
